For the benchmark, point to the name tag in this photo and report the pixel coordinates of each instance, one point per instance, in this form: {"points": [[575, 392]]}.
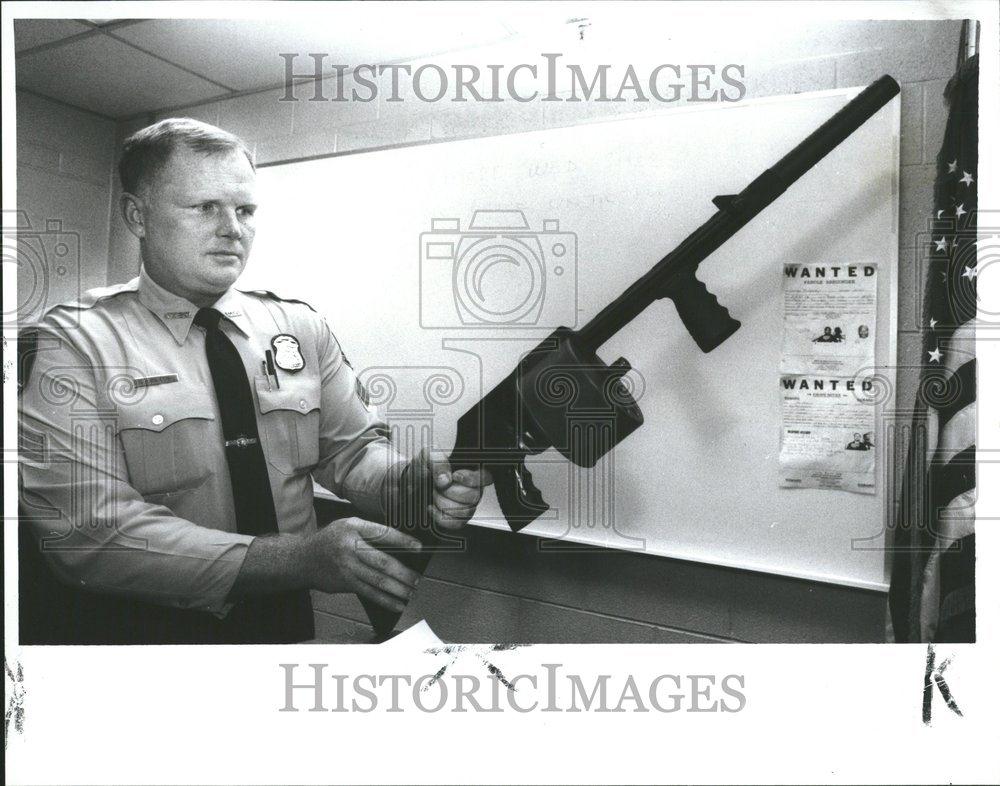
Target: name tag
{"points": [[148, 382]]}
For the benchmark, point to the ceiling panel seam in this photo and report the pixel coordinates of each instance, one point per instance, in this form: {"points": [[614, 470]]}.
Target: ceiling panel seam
{"points": [[60, 42], [168, 61], [297, 81], [57, 44], [231, 91]]}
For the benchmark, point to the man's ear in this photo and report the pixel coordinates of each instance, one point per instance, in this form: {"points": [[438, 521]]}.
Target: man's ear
{"points": [[133, 210]]}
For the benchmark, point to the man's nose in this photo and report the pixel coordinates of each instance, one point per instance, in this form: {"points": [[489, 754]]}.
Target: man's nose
{"points": [[229, 224]]}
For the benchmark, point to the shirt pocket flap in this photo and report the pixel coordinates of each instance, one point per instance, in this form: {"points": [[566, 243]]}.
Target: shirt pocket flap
{"points": [[290, 396], [158, 409], [169, 439]]}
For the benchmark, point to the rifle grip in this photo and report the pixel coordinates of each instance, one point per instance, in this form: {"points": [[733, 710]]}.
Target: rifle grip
{"points": [[520, 500], [382, 619], [707, 320]]}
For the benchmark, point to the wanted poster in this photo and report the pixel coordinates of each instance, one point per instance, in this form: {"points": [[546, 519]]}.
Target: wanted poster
{"points": [[827, 434], [829, 318]]}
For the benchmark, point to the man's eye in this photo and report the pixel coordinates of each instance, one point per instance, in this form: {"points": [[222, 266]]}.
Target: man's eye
{"points": [[246, 212], [205, 207]]}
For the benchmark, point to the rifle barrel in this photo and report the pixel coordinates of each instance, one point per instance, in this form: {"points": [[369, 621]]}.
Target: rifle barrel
{"points": [[736, 213]]}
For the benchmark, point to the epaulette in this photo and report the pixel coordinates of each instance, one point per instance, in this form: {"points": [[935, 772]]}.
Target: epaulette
{"points": [[92, 297], [266, 293]]}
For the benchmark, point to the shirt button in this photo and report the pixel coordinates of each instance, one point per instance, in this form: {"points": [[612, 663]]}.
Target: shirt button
{"points": [[157, 420], [302, 404]]}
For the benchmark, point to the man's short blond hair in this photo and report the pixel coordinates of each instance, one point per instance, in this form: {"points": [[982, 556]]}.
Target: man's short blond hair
{"points": [[146, 151]]}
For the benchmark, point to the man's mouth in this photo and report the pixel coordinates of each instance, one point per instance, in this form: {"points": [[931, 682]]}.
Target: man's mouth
{"points": [[225, 254]]}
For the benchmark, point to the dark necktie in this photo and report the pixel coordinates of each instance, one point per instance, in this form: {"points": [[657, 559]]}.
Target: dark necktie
{"points": [[284, 616], [252, 498]]}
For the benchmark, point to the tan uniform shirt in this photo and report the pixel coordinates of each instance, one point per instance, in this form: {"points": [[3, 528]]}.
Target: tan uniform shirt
{"points": [[123, 468]]}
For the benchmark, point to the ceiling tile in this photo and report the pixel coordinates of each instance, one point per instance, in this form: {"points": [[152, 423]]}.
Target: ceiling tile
{"points": [[106, 76], [244, 54], [29, 33]]}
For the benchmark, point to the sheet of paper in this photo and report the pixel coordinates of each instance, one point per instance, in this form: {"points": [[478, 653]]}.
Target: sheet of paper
{"points": [[418, 635], [827, 434], [829, 319], [828, 349]]}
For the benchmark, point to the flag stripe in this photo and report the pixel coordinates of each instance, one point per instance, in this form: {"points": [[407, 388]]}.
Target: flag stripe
{"points": [[956, 477], [958, 519], [960, 391], [957, 621], [961, 346], [960, 433]]}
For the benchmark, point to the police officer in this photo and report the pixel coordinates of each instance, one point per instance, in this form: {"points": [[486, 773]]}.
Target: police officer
{"points": [[172, 426]]}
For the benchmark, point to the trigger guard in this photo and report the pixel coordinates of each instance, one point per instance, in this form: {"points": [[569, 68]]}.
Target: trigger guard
{"points": [[520, 500], [527, 490]]}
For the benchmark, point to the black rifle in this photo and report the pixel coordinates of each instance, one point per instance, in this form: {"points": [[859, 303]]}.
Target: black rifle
{"points": [[562, 395]]}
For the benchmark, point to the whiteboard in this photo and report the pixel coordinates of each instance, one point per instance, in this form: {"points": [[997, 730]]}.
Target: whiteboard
{"points": [[374, 241]]}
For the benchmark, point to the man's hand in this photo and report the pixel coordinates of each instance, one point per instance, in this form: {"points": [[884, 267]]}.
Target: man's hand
{"points": [[456, 494], [347, 556]]}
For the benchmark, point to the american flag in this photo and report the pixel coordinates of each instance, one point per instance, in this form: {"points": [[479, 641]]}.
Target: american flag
{"points": [[932, 594]]}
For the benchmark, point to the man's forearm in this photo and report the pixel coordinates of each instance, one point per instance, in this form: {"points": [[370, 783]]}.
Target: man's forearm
{"points": [[273, 563]]}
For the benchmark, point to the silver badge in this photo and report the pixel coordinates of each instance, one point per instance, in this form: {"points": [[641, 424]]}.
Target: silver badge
{"points": [[287, 356]]}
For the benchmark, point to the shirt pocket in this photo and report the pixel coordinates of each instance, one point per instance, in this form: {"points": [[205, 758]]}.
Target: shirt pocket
{"points": [[289, 423], [167, 440]]}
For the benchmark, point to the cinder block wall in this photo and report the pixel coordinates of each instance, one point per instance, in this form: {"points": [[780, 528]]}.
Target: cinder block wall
{"points": [[65, 158], [505, 588]]}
